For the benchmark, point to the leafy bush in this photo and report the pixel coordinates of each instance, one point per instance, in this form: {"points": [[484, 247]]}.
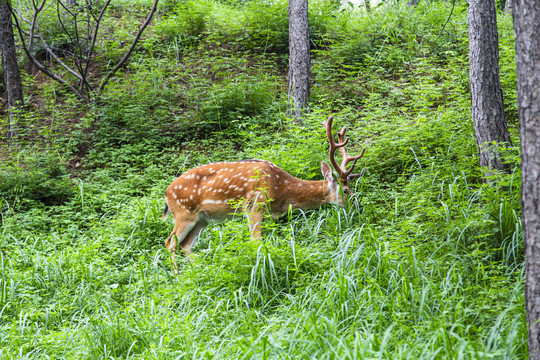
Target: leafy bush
{"points": [[186, 23], [40, 178], [238, 101]]}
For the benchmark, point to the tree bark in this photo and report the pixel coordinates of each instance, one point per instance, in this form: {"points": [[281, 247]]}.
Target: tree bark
{"points": [[527, 32], [299, 60], [486, 95], [12, 77]]}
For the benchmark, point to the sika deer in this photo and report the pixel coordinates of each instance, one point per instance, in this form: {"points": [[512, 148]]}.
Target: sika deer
{"points": [[210, 192]]}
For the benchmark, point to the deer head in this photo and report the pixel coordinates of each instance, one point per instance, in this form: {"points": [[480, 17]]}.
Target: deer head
{"points": [[345, 175], [209, 192]]}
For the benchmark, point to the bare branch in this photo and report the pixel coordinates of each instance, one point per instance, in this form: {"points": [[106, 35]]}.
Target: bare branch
{"points": [[94, 38], [43, 68], [82, 48], [55, 57], [37, 10], [131, 48]]}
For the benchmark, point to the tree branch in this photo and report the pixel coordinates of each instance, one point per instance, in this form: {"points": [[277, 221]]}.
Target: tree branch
{"points": [[43, 68], [131, 48]]}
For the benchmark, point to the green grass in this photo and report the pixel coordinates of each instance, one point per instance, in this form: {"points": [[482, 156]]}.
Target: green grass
{"points": [[425, 263]]}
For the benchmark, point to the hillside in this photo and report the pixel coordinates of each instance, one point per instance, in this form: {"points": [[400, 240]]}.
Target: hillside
{"points": [[426, 262]]}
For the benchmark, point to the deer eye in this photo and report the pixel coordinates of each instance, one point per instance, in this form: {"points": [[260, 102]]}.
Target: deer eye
{"points": [[346, 191]]}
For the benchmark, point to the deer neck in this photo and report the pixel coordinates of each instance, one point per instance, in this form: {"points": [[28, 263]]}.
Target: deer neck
{"points": [[301, 194]]}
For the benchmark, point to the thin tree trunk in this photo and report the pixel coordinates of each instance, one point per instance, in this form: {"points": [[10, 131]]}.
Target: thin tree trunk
{"points": [[527, 31], [486, 95], [12, 77], [299, 60]]}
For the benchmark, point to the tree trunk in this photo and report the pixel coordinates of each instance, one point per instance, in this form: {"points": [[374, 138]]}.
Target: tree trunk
{"points": [[299, 61], [527, 31], [486, 95], [12, 77]]}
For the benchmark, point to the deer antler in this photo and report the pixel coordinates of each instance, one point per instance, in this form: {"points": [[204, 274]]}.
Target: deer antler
{"points": [[344, 174]]}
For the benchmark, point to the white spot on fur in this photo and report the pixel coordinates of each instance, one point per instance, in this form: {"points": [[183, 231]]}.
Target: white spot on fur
{"points": [[211, 201]]}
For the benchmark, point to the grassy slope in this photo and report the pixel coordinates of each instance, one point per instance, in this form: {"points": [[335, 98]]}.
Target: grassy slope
{"points": [[426, 263]]}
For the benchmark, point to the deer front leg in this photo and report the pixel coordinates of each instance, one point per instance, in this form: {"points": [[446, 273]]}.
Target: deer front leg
{"points": [[254, 210], [192, 236], [255, 223], [182, 228]]}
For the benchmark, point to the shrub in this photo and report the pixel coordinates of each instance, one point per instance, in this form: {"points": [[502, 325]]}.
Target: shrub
{"points": [[186, 23], [237, 101], [42, 179]]}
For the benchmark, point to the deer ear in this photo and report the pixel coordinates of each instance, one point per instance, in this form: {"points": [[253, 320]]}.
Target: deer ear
{"points": [[327, 172]]}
